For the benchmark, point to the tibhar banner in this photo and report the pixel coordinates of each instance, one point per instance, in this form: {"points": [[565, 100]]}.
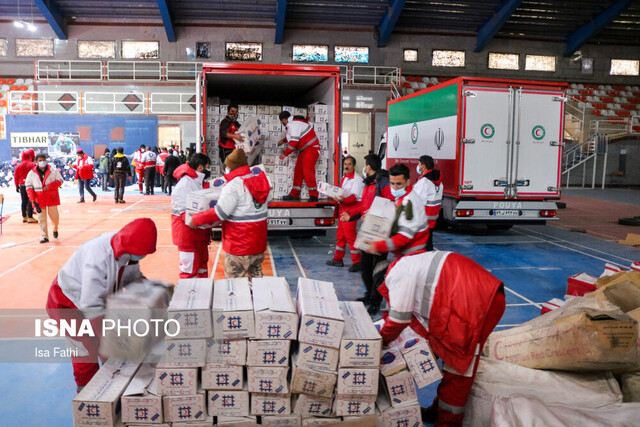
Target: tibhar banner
{"points": [[54, 144], [436, 137]]}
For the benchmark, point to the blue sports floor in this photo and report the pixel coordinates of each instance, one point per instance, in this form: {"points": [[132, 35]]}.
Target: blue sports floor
{"points": [[532, 261]]}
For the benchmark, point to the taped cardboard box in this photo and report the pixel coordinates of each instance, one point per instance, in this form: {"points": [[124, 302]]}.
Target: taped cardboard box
{"points": [[203, 200], [355, 405], [400, 388], [315, 289], [320, 421], [361, 343], [233, 309], [98, 404], [422, 364], [222, 377], [227, 352], [173, 381], [185, 353], [184, 408], [315, 383], [270, 404], [573, 337], [377, 223], [190, 306], [318, 108], [317, 357], [307, 405], [268, 380], [237, 421], [285, 420], [229, 403], [408, 415], [330, 190], [392, 361], [141, 402], [268, 353], [205, 423], [274, 310], [321, 322], [357, 381]]}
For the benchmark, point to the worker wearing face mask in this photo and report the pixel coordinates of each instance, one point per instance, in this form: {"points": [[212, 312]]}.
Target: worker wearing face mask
{"points": [[139, 165], [99, 267], [42, 185], [192, 243], [429, 187]]}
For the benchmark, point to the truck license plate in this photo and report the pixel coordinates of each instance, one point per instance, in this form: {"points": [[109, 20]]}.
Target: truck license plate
{"points": [[274, 221], [497, 212]]}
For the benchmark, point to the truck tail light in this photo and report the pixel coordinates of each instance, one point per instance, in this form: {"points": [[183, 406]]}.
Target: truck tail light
{"points": [[465, 212], [548, 213], [325, 221]]}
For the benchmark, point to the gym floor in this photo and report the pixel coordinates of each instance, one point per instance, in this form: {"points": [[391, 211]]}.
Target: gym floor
{"points": [[532, 261]]}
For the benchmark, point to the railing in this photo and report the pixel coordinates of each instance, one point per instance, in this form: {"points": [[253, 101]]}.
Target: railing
{"points": [[377, 76], [47, 70], [134, 70], [395, 93], [345, 74], [28, 102], [114, 103], [614, 127], [581, 153], [172, 103], [577, 127], [181, 71]]}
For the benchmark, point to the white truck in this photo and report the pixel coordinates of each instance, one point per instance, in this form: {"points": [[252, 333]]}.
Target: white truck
{"points": [[498, 144]]}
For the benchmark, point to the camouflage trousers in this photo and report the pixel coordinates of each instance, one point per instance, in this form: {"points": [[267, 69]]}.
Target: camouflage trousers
{"points": [[241, 265]]}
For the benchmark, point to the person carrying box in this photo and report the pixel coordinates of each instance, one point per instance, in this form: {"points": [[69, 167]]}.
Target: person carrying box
{"points": [[229, 128]]}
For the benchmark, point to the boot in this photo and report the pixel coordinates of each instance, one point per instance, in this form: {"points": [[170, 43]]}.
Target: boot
{"points": [[32, 221], [355, 267], [24, 219]]}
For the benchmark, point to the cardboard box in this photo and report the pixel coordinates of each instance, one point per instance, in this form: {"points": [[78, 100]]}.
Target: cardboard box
{"points": [[98, 404], [297, 111], [320, 421], [185, 353], [285, 420], [361, 343], [281, 179], [308, 405], [552, 304], [321, 127], [631, 240], [274, 310], [228, 352], [247, 109], [176, 381], [205, 423], [269, 160], [275, 135], [422, 364], [222, 420], [354, 405], [275, 127], [318, 108], [357, 381], [229, 403], [321, 322], [270, 404], [202, 200], [268, 353], [222, 377], [580, 284], [317, 357], [330, 190], [191, 307], [141, 402], [401, 389], [275, 109], [589, 339], [268, 380], [392, 361], [289, 108], [408, 415], [316, 383], [184, 408], [377, 223], [233, 309], [407, 340], [262, 109]]}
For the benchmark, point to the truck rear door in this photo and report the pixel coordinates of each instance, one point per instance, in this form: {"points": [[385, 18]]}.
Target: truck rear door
{"points": [[485, 154]]}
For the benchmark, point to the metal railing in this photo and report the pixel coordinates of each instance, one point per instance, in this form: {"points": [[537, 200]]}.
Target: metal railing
{"points": [[613, 127], [181, 71], [576, 127], [134, 70], [28, 102], [78, 70], [581, 153], [373, 75], [114, 103], [173, 103]]}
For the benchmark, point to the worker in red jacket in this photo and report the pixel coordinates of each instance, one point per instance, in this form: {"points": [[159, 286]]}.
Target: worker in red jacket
{"points": [[160, 168], [229, 128], [454, 304], [301, 137], [138, 163], [42, 185], [429, 187], [84, 174], [27, 158]]}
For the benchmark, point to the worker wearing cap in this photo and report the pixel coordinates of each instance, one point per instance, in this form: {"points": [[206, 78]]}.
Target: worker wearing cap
{"points": [[453, 303], [301, 136], [84, 174], [242, 208], [98, 268]]}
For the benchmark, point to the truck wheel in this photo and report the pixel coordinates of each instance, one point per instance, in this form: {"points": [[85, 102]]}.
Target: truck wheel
{"points": [[499, 226], [635, 221]]}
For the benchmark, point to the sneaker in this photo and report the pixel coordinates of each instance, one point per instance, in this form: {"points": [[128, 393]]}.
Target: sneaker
{"points": [[334, 263], [122, 201], [95, 197], [313, 199], [44, 240], [290, 198], [81, 201], [55, 234], [355, 267], [24, 219], [32, 221]]}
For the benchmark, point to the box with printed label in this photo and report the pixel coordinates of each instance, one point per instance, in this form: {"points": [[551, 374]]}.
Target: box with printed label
{"points": [[275, 109], [401, 389], [357, 381], [376, 225], [321, 127], [320, 421], [236, 421], [289, 108], [185, 353], [273, 118], [407, 415], [275, 127], [422, 364], [141, 402], [275, 135], [322, 164], [356, 405], [268, 380], [320, 118], [317, 357], [321, 320], [204, 423], [297, 111], [247, 109], [228, 352], [330, 190], [280, 179], [318, 108], [308, 405], [391, 361], [184, 408], [316, 383], [229, 403], [361, 343], [316, 289], [407, 340], [268, 353], [270, 404], [233, 309], [98, 402], [323, 138], [281, 170], [222, 377], [262, 109], [176, 381], [285, 420], [269, 160]]}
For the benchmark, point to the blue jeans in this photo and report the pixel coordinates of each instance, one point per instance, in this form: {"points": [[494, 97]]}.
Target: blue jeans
{"points": [[82, 184]]}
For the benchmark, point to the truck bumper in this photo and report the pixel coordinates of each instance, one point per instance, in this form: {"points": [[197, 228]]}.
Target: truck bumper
{"points": [[500, 211]]}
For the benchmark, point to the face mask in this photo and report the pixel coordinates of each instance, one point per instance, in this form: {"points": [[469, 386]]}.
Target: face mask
{"points": [[398, 192], [137, 257], [418, 170], [42, 164], [227, 170], [207, 173], [142, 150]]}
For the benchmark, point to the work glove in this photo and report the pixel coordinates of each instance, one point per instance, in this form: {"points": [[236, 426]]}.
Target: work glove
{"points": [[37, 206]]}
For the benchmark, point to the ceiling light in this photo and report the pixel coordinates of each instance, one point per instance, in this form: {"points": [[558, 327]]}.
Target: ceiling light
{"points": [[31, 27], [18, 24]]}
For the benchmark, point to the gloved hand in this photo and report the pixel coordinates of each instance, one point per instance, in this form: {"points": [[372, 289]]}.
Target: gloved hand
{"points": [[37, 206]]}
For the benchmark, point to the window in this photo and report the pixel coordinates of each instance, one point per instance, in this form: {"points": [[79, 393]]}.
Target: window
{"points": [[359, 55], [3, 47], [624, 67], [310, 53], [96, 49], [448, 58], [34, 47], [410, 55], [540, 63], [587, 65], [243, 52], [140, 50], [203, 50], [504, 61]]}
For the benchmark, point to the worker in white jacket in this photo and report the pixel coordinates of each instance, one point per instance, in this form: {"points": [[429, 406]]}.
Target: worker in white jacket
{"points": [[99, 267]]}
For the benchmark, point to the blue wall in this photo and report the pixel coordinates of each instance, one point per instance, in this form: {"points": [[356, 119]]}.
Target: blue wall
{"points": [[137, 130]]}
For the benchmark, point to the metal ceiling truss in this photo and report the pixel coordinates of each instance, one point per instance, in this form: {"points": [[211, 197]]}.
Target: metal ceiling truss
{"points": [[593, 27], [54, 16], [495, 22], [165, 13], [389, 20]]}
